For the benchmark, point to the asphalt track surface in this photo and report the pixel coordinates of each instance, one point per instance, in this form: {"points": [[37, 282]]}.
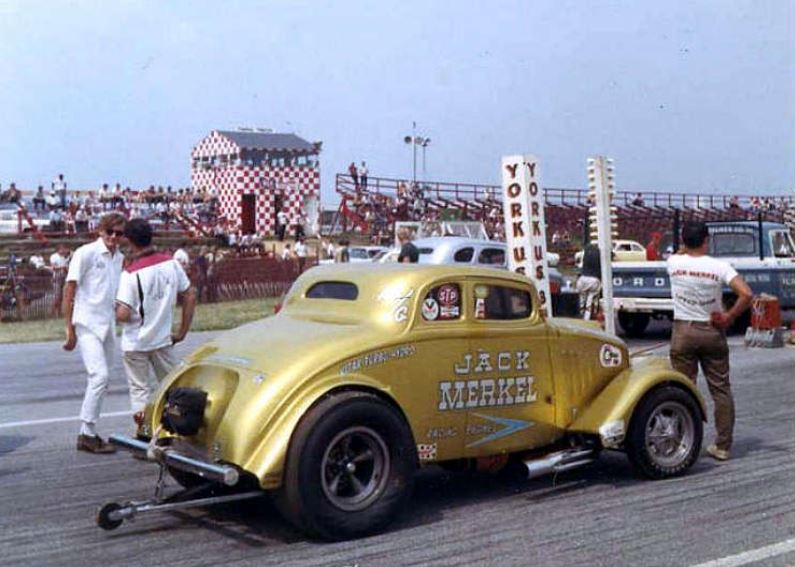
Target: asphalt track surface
{"points": [[719, 515]]}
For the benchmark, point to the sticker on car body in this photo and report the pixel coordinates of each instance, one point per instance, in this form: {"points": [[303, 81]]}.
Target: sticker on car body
{"points": [[610, 356], [426, 451], [430, 309]]}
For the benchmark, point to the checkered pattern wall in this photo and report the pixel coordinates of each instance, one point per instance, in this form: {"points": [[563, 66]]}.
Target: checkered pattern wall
{"points": [[293, 184]]}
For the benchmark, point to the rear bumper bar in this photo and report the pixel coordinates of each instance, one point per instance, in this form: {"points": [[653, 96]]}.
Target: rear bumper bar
{"points": [[223, 474], [642, 304]]}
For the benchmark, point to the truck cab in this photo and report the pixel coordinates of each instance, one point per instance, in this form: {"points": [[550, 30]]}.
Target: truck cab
{"points": [[762, 252]]}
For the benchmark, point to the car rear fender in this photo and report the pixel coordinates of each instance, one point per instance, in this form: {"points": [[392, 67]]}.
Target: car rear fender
{"points": [[609, 415], [268, 459]]}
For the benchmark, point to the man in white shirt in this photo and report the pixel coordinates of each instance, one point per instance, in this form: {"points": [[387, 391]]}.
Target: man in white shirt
{"points": [[363, 173], [182, 257], [148, 291], [698, 336], [282, 219], [59, 264], [89, 294]]}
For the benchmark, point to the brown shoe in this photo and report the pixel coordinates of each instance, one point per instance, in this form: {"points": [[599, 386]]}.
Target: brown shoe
{"points": [[94, 444]]}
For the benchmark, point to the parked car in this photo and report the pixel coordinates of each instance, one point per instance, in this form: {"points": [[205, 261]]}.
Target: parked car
{"points": [[364, 253], [469, 251], [365, 376], [623, 251]]}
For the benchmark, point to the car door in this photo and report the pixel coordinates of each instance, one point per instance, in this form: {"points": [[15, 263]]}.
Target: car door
{"points": [[506, 380], [440, 338]]}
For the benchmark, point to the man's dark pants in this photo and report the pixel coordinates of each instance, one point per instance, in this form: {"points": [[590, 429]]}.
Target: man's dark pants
{"points": [[695, 343]]}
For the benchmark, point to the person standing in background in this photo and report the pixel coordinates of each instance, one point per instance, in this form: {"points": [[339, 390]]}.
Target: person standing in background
{"points": [[59, 186], [408, 252], [589, 283], [89, 294], [363, 176], [59, 264], [353, 172], [148, 292], [699, 331]]}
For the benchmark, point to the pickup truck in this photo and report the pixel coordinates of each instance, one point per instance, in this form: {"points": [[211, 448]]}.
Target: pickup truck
{"points": [[762, 252]]}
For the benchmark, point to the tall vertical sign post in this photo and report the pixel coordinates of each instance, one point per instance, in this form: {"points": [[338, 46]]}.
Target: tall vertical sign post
{"points": [[525, 227], [601, 188]]}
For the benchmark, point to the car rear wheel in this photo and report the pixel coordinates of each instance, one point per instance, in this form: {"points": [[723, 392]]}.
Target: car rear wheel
{"points": [[665, 433], [350, 467], [634, 324]]}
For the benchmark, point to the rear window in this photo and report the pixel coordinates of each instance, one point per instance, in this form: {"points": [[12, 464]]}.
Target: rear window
{"points": [[492, 256], [333, 290], [734, 244]]}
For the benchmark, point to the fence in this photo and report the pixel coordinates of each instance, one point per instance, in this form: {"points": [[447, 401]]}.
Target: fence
{"points": [[28, 294]]}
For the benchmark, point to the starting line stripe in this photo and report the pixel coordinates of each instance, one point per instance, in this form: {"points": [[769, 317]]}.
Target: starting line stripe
{"points": [[10, 424], [752, 556]]}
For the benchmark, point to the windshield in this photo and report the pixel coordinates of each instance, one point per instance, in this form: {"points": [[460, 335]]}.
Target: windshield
{"points": [[781, 243]]}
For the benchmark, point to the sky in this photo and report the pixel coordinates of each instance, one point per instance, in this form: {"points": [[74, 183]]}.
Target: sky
{"points": [[685, 96]]}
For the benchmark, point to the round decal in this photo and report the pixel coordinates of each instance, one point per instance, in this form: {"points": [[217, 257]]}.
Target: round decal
{"points": [[430, 309], [448, 295]]}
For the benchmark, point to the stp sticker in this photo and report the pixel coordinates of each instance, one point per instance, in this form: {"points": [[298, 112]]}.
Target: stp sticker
{"points": [[610, 356], [448, 295], [426, 451], [430, 309]]}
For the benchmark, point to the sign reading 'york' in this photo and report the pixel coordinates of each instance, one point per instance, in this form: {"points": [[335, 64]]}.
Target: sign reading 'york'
{"points": [[525, 227]]}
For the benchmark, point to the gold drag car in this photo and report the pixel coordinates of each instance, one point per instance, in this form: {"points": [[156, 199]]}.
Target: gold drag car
{"points": [[366, 374]]}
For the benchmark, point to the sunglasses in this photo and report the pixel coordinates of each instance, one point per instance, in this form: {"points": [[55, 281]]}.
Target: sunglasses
{"points": [[117, 233]]}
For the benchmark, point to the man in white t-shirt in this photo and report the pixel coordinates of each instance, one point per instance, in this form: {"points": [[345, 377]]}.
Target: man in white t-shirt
{"points": [[148, 291], [90, 290], [698, 336]]}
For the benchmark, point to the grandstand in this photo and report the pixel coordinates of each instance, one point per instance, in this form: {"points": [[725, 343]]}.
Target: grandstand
{"points": [[640, 213]]}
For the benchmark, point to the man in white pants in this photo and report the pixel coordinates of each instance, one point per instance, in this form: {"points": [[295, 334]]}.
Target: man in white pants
{"points": [[148, 292], [89, 294]]}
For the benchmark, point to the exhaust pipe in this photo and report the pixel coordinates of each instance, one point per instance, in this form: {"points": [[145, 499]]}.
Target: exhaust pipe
{"points": [[561, 461], [223, 474]]}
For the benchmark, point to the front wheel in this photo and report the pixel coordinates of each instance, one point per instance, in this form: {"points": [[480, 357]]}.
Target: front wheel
{"points": [[665, 433], [350, 467]]}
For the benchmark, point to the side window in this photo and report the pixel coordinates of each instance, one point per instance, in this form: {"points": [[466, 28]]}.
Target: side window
{"points": [[495, 302], [464, 255], [442, 303], [492, 256]]}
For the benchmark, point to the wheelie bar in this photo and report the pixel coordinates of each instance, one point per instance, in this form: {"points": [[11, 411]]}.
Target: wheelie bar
{"points": [[112, 515]]}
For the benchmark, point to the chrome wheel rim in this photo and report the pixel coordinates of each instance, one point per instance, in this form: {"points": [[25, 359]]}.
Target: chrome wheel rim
{"points": [[354, 468], [670, 434]]}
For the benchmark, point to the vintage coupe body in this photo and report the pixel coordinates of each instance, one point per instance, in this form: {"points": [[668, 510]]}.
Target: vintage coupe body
{"points": [[367, 373]]}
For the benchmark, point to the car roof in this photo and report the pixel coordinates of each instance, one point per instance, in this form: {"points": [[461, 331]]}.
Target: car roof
{"points": [[417, 274], [434, 241]]}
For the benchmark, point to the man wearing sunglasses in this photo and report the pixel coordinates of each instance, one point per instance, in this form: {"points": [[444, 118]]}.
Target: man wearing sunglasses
{"points": [[89, 296]]}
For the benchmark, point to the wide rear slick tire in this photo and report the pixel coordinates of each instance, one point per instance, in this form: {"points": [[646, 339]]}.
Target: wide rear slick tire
{"points": [[665, 433], [350, 467]]}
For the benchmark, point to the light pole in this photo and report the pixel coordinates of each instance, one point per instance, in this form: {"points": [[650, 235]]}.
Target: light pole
{"points": [[415, 141], [424, 143]]}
